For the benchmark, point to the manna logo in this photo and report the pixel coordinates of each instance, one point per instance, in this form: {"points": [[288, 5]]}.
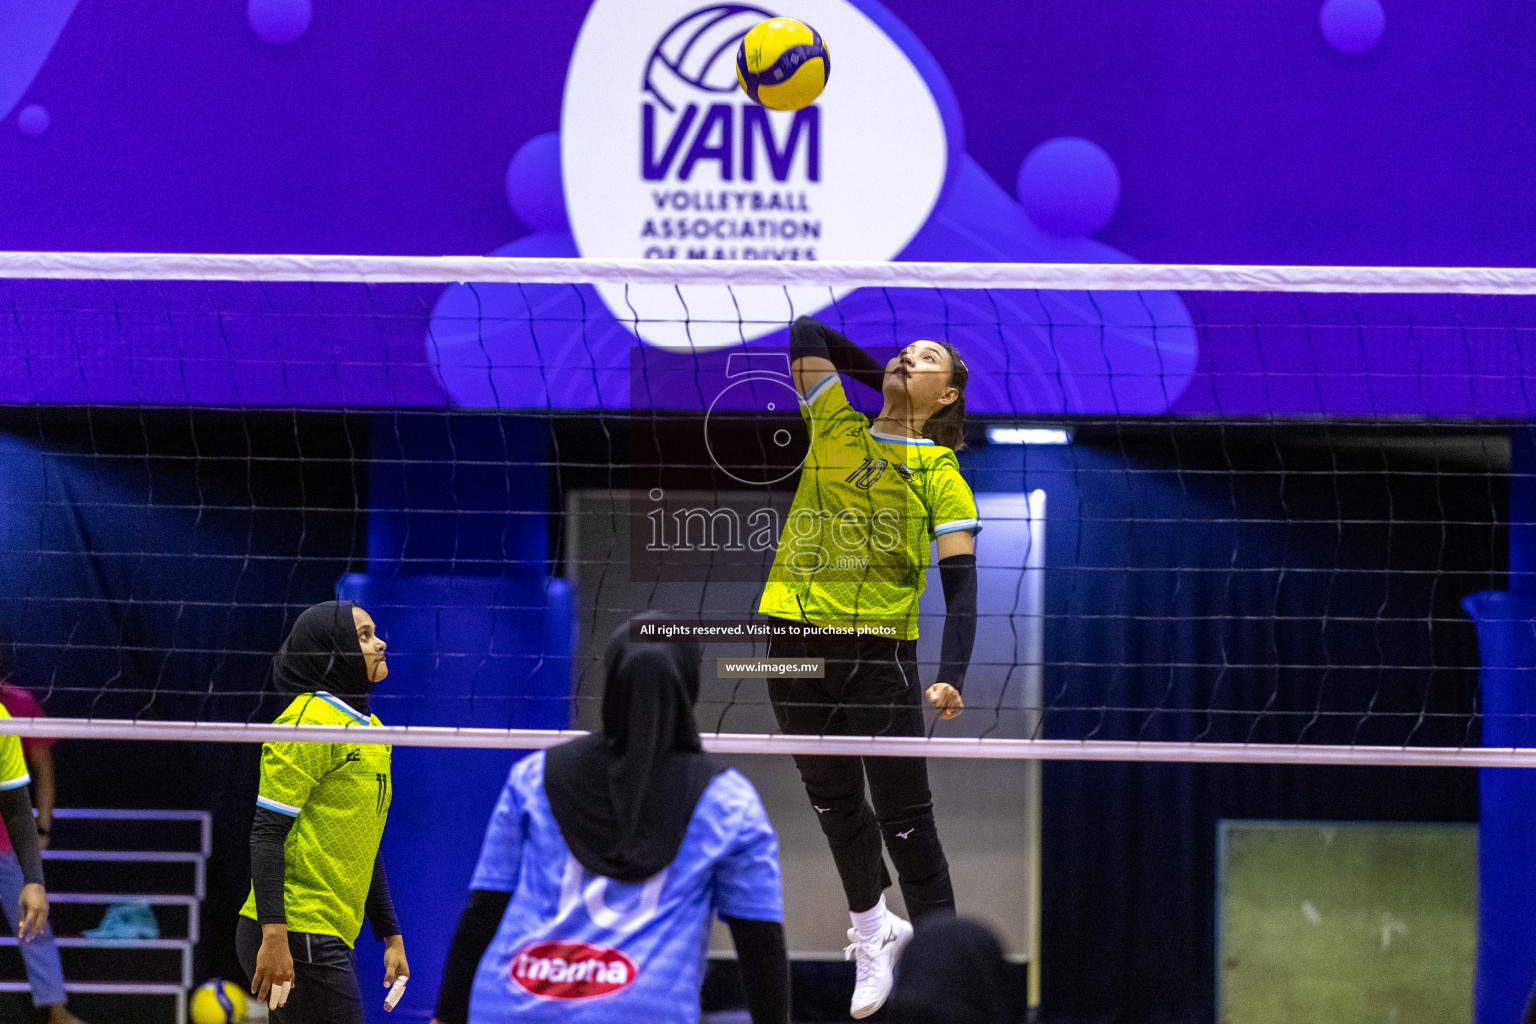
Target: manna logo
{"points": [[664, 157], [571, 970]]}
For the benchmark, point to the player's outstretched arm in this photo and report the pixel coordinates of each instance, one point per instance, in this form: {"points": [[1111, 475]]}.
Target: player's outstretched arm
{"points": [[816, 352]]}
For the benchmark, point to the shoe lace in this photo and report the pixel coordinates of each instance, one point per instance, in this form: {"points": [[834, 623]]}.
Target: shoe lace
{"points": [[865, 949]]}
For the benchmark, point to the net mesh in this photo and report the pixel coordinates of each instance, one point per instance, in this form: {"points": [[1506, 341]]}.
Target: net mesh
{"points": [[1249, 506]]}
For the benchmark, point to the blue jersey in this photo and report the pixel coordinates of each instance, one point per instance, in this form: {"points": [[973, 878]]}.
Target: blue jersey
{"points": [[576, 946]]}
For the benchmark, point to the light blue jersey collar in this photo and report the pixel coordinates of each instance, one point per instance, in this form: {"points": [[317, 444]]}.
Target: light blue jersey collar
{"points": [[897, 438], [815, 392], [341, 705]]}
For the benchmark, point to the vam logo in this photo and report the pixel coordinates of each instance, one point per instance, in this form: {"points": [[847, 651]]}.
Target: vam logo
{"points": [[681, 165], [691, 113]]}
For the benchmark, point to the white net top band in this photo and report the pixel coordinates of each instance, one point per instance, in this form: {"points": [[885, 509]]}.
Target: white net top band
{"points": [[509, 269], [757, 743]]}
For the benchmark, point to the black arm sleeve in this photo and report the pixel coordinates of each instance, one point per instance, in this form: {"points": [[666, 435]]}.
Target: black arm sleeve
{"points": [[269, 831], [959, 575], [16, 812], [477, 927], [809, 337], [379, 907], [764, 965]]}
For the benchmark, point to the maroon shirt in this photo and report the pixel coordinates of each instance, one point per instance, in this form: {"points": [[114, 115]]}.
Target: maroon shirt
{"points": [[21, 704]]}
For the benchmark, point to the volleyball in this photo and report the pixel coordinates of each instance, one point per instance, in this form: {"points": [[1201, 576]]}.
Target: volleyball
{"points": [[217, 1002], [783, 64]]}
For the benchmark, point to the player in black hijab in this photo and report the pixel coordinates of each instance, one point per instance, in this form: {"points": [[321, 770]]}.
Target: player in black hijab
{"points": [[623, 800], [316, 869], [323, 654], [624, 797]]}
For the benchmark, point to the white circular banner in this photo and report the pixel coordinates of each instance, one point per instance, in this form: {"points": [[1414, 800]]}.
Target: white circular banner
{"points": [[664, 157]]}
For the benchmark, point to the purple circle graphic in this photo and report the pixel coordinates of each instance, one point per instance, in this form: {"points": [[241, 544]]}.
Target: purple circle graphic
{"points": [[1069, 187], [279, 21], [1352, 26], [32, 121], [533, 184]]}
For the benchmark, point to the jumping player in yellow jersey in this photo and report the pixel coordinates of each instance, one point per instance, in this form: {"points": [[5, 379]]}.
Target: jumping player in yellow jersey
{"points": [[873, 499], [320, 810]]}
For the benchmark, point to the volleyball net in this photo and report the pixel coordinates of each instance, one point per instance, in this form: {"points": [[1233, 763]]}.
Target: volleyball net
{"points": [[1237, 514]]}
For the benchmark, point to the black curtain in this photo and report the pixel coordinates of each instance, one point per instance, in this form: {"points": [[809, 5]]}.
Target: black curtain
{"points": [[1238, 583]]}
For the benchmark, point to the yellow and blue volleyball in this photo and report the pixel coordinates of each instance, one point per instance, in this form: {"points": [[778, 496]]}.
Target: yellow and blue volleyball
{"points": [[783, 64], [217, 1002]]}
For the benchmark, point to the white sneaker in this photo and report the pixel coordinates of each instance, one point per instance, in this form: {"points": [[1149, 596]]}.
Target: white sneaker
{"points": [[876, 959]]}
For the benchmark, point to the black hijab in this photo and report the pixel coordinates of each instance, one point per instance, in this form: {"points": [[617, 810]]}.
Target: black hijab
{"points": [[322, 653], [953, 972], [623, 799]]}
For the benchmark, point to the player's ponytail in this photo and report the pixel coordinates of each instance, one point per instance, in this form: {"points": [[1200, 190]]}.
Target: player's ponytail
{"points": [[947, 426]]}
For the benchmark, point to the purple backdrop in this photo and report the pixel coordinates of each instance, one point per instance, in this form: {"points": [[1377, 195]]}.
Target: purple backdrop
{"points": [[1237, 134]]}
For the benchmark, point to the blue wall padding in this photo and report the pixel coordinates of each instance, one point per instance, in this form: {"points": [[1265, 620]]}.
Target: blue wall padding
{"points": [[1522, 509], [1506, 637], [1506, 947], [471, 651], [479, 636], [463, 651], [458, 494]]}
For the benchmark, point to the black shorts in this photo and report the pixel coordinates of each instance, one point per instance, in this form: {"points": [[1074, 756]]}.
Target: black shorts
{"points": [[871, 688], [324, 976]]}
